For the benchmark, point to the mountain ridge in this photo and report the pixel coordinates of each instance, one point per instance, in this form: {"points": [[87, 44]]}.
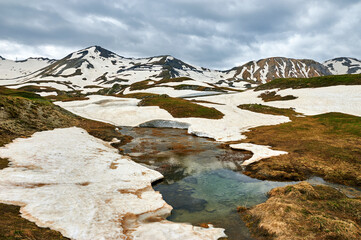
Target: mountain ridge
{"points": [[94, 68]]}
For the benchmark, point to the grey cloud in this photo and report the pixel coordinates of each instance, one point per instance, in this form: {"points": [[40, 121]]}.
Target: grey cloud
{"points": [[216, 34]]}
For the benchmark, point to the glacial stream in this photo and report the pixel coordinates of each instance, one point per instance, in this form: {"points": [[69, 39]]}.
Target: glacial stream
{"points": [[202, 181]]}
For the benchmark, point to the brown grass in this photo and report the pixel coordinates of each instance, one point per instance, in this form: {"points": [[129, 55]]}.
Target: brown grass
{"points": [[14, 227], [303, 211], [259, 108], [326, 145], [273, 96]]}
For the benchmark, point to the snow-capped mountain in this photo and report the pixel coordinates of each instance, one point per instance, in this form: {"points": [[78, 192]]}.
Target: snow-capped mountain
{"points": [[93, 68], [343, 65], [267, 69], [15, 69]]}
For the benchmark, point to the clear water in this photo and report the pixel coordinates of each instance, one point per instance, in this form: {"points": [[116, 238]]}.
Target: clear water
{"points": [[203, 179]]}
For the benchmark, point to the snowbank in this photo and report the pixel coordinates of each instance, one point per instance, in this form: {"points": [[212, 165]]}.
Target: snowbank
{"points": [[74, 183], [259, 152]]}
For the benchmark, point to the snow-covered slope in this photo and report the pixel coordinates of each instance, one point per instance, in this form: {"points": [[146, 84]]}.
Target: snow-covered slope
{"points": [[93, 68], [343, 65], [267, 69], [15, 69]]}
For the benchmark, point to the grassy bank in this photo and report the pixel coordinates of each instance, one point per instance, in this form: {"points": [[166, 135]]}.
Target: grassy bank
{"points": [[273, 96], [259, 108], [303, 211], [326, 145], [181, 108], [325, 81]]}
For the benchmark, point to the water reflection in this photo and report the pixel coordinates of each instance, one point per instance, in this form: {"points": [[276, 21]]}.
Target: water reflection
{"points": [[203, 181]]}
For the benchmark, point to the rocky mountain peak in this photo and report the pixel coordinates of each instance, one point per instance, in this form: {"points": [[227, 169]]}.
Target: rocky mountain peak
{"points": [[267, 69], [343, 65]]}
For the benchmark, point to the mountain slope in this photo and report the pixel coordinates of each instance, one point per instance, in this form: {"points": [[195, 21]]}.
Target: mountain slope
{"points": [[343, 65], [94, 68], [15, 69], [267, 69], [97, 70]]}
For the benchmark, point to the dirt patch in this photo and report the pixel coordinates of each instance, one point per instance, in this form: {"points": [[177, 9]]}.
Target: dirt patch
{"points": [[303, 211], [326, 145]]}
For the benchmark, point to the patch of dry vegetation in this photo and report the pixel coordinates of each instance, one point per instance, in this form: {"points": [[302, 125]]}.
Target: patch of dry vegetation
{"points": [[181, 108], [14, 227], [273, 96], [314, 82], [303, 211], [326, 145], [259, 108], [152, 83]]}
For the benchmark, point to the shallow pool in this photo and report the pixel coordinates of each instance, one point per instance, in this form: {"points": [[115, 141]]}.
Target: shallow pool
{"points": [[203, 179]]}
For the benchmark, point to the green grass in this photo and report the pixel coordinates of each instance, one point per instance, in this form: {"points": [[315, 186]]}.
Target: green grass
{"points": [[180, 108], [340, 124], [148, 83], [140, 95], [259, 108], [326, 145], [22, 94], [324, 81], [273, 96], [196, 88]]}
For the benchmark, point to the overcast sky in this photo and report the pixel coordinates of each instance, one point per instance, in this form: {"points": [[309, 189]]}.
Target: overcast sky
{"points": [[209, 33]]}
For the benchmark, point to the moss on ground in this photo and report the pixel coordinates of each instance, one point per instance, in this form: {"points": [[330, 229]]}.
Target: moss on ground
{"points": [[326, 145], [273, 96], [152, 83], [259, 108], [181, 108], [324, 81], [303, 211]]}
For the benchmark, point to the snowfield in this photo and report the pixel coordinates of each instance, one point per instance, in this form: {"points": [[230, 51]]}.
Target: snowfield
{"points": [[125, 112], [76, 184], [310, 101]]}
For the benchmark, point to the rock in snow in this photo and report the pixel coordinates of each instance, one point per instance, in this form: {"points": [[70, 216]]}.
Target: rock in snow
{"points": [[74, 183]]}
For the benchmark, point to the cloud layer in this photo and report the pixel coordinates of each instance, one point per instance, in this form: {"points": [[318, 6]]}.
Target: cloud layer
{"points": [[209, 33]]}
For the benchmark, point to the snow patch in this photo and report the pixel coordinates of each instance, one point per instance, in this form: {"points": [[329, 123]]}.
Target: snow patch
{"points": [[74, 183], [259, 152]]}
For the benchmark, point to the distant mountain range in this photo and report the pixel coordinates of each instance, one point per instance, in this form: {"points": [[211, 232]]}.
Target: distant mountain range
{"points": [[95, 68]]}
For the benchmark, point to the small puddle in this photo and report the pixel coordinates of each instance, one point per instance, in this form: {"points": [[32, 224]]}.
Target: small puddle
{"points": [[203, 180]]}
